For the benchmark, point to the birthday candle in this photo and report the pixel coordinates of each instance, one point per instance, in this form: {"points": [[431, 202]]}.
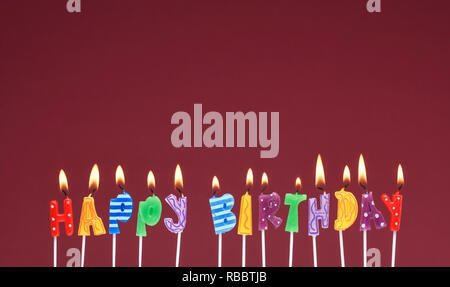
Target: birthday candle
{"points": [[368, 209], [315, 214], [269, 204], [223, 218], [179, 206], [120, 209], [56, 218], [347, 211], [245, 214], [89, 217], [149, 212], [293, 200], [395, 209]]}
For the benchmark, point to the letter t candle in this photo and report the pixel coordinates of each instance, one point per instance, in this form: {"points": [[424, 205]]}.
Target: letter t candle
{"points": [[395, 209]]}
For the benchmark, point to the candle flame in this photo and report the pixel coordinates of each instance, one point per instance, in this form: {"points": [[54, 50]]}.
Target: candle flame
{"points": [[320, 174], [63, 185], [346, 176], [298, 184], [151, 182], [120, 177], [215, 184], [362, 177], [249, 180], [400, 178], [264, 180], [94, 179], [178, 178]]}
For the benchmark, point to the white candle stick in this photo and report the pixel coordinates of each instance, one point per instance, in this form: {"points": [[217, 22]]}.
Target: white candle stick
{"points": [[341, 244], [140, 251], [219, 264], [243, 250], [314, 250], [394, 243], [55, 242], [365, 247], [263, 248], [83, 248], [114, 250], [291, 248], [177, 260]]}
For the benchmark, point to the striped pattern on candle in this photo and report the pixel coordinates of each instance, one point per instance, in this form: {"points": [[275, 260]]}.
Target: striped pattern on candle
{"points": [[120, 209], [224, 220]]}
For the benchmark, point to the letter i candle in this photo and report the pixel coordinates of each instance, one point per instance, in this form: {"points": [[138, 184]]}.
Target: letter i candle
{"points": [[56, 218], [347, 211], [223, 218], [149, 212], [395, 209], [245, 214], [293, 200], [268, 207], [89, 215], [179, 207], [314, 212], [120, 209], [368, 209]]}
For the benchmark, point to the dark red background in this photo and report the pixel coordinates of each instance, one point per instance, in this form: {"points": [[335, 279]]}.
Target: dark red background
{"points": [[102, 85]]}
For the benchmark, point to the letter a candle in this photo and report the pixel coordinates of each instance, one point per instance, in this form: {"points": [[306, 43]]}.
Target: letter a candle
{"points": [[268, 207], [56, 218], [245, 214], [223, 218], [149, 213], [89, 215], [314, 213], [368, 209], [347, 211], [120, 209], [395, 209], [179, 207], [293, 200]]}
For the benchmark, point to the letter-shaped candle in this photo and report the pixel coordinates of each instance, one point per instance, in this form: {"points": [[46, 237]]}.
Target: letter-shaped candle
{"points": [[89, 215], [67, 216], [395, 209], [347, 209], [179, 207], [368, 209], [314, 213], [56, 218], [223, 218], [149, 212], [293, 200], [121, 207], [269, 204], [245, 214]]}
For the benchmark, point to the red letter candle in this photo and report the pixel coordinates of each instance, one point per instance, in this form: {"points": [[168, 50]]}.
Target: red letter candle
{"points": [[56, 218], [395, 209]]}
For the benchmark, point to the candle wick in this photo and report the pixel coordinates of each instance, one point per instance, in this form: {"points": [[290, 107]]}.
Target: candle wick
{"points": [[400, 187], [321, 188], [120, 186], [152, 191], [179, 190], [65, 193]]}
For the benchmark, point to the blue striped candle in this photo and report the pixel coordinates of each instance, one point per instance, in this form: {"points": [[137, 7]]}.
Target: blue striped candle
{"points": [[224, 220], [120, 209]]}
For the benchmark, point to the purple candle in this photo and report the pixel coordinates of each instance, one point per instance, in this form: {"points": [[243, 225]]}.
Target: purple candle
{"points": [[370, 212]]}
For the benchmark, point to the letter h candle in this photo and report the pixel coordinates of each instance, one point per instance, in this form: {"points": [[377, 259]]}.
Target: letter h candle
{"points": [[315, 213]]}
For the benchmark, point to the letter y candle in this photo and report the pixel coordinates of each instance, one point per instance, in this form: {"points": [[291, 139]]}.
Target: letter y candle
{"points": [[395, 209]]}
